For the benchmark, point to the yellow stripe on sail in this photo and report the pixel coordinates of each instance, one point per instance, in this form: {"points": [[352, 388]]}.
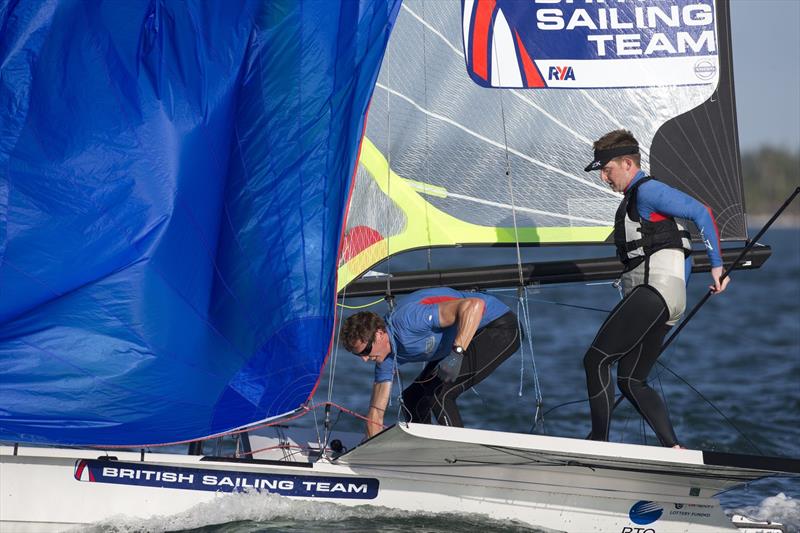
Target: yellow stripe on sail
{"points": [[428, 226]]}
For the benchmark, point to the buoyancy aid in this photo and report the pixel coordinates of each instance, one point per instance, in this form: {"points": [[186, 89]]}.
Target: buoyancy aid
{"points": [[636, 239]]}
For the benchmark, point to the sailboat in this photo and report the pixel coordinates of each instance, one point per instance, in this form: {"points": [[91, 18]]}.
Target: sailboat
{"points": [[187, 190]]}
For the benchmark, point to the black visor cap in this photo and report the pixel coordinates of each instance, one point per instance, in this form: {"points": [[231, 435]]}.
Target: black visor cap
{"points": [[602, 157]]}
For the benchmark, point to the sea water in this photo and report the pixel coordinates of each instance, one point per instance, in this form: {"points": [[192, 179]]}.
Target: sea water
{"points": [[741, 352]]}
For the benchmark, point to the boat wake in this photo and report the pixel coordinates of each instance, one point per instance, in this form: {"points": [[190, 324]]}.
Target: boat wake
{"points": [[780, 508], [254, 511]]}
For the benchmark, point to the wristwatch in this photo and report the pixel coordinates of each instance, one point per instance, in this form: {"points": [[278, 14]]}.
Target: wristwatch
{"points": [[458, 349]]}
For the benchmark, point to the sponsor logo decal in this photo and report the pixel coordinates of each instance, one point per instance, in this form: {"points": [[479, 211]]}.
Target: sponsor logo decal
{"points": [[171, 477], [691, 510], [645, 512], [705, 69], [561, 73], [523, 43]]}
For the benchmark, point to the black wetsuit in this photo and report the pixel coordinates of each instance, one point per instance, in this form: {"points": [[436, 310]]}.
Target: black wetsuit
{"points": [[632, 335], [428, 394]]}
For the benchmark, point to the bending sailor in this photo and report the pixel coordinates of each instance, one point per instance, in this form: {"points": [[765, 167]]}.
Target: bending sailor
{"points": [[463, 337], [655, 251]]}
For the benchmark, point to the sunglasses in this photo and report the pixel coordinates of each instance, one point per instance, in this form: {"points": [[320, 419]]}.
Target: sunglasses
{"points": [[367, 349]]}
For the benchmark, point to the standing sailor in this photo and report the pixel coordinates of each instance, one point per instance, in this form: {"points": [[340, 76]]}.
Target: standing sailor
{"points": [[655, 251], [463, 337]]}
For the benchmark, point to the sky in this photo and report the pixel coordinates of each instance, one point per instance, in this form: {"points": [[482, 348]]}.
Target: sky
{"points": [[766, 69]]}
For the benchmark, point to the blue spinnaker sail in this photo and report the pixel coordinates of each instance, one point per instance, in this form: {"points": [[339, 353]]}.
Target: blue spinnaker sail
{"points": [[173, 179]]}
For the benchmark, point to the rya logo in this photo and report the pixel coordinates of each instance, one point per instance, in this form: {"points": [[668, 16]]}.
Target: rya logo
{"points": [[561, 73]]}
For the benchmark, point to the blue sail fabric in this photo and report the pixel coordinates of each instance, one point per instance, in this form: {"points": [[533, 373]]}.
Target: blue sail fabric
{"points": [[173, 179]]}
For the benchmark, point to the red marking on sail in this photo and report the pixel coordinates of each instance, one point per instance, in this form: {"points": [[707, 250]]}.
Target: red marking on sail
{"points": [[358, 239], [480, 37], [533, 78]]}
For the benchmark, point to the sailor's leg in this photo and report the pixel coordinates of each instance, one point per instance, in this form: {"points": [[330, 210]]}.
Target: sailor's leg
{"points": [[597, 365], [623, 330], [418, 397], [490, 346], [632, 375]]}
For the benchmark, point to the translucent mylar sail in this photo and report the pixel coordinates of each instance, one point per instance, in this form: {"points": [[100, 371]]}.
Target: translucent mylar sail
{"points": [[173, 177], [485, 112]]}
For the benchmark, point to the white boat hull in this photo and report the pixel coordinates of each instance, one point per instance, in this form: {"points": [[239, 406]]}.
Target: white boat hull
{"points": [[555, 483]]}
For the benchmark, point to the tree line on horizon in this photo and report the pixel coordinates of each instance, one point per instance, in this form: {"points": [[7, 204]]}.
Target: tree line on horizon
{"points": [[770, 176]]}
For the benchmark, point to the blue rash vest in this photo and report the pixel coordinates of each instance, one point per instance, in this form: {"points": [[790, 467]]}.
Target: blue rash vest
{"points": [[415, 332], [667, 270], [656, 200]]}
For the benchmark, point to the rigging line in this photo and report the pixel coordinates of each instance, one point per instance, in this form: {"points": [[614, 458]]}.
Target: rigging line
{"points": [[537, 385], [316, 428], [522, 292], [427, 139], [564, 404], [370, 304], [515, 92], [334, 348], [663, 395], [388, 58], [574, 306], [709, 402], [553, 286], [522, 356], [624, 429], [551, 302], [643, 430], [508, 175], [485, 139]]}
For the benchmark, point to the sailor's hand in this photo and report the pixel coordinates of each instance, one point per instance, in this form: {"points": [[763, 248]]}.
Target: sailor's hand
{"points": [[449, 367], [718, 285]]}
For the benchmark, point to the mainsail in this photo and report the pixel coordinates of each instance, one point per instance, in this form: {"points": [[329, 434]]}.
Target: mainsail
{"points": [[485, 111], [172, 186]]}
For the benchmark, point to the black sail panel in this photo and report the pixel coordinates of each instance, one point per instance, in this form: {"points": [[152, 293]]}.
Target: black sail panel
{"points": [[698, 151]]}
